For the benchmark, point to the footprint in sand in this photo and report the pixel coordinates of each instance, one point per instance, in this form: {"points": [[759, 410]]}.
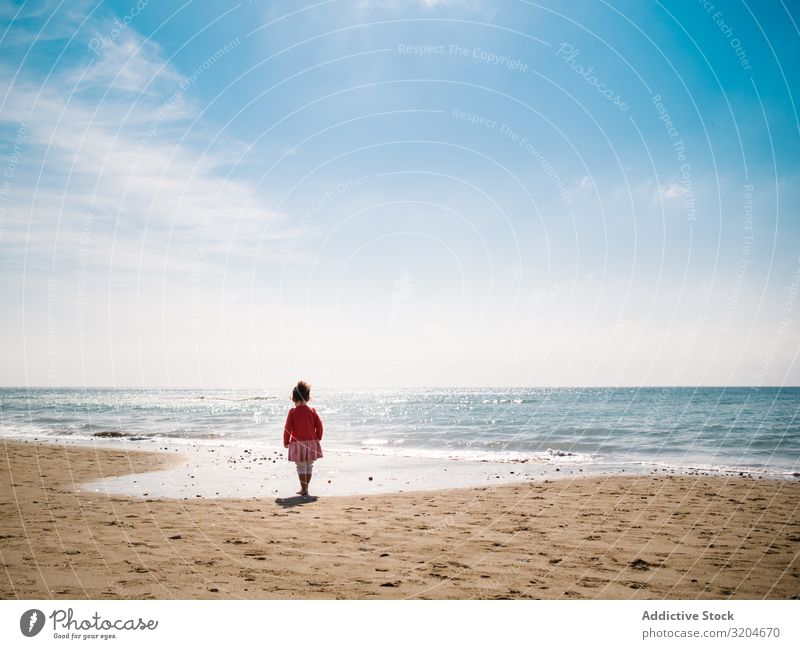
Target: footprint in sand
{"points": [[639, 564], [592, 582]]}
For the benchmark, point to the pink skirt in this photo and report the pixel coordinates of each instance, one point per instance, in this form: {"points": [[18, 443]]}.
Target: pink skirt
{"points": [[304, 450]]}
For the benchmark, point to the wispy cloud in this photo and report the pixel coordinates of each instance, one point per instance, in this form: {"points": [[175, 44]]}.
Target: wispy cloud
{"points": [[672, 190], [93, 156], [128, 64], [40, 21]]}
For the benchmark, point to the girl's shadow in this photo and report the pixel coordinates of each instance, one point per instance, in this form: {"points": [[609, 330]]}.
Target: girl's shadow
{"points": [[295, 501]]}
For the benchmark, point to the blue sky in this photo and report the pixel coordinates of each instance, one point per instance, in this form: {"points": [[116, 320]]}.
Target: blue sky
{"points": [[375, 192]]}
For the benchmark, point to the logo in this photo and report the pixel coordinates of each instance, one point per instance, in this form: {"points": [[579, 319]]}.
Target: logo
{"points": [[31, 622]]}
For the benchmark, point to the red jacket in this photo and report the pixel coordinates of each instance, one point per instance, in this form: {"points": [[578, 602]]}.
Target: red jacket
{"points": [[302, 423]]}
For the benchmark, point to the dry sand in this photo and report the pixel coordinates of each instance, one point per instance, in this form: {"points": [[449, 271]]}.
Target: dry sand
{"points": [[680, 537]]}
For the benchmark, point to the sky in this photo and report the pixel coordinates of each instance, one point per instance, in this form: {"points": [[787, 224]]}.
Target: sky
{"points": [[383, 193]]}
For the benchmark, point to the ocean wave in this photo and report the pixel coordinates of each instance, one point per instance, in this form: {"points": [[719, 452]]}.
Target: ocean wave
{"points": [[712, 429], [722, 469], [213, 398], [550, 456]]}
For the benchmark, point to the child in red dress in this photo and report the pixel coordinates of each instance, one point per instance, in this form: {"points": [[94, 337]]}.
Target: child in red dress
{"points": [[302, 434]]}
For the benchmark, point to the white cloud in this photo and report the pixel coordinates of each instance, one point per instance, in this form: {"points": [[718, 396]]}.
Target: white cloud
{"points": [[21, 24], [430, 4], [150, 199], [672, 190], [127, 64]]}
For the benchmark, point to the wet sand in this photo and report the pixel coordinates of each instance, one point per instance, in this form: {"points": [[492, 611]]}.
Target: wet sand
{"points": [[637, 537]]}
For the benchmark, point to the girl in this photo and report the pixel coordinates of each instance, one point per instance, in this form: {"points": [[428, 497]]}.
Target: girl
{"points": [[302, 434]]}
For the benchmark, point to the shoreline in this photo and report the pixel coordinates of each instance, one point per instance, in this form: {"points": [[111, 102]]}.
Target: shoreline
{"points": [[607, 537], [256, 470]]}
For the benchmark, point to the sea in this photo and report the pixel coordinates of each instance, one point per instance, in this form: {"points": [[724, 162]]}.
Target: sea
{"points": [[754, 431]]}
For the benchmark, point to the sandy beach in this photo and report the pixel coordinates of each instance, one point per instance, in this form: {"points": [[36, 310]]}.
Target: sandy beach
{"points": [[637, 537]]}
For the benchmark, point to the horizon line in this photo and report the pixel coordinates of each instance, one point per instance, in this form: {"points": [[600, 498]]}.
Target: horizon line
{"points": [[388, 387]]}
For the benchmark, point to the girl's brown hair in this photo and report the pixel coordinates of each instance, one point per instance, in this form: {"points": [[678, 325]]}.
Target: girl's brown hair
{"points": [[301, 392]]}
